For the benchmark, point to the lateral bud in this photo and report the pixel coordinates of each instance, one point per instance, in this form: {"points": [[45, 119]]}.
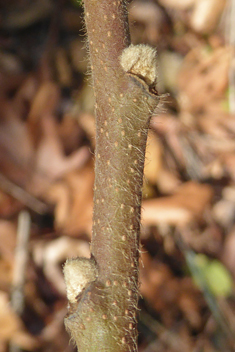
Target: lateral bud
{"points": [[78, 274], [141, 60]]}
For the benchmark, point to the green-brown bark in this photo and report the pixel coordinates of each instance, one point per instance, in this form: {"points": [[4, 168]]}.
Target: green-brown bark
{"points": [[105, 316]]}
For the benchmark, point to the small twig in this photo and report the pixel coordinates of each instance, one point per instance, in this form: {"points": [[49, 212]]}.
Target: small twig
{"points": [[23, 196], [21, 258], [193, 164], [169, 338]]}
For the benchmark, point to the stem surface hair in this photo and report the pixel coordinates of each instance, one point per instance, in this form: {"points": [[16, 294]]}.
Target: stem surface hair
{"points": [[102, 315]]}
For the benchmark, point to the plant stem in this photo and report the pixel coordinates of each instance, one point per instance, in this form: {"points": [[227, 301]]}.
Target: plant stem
{"points": [[105, 318]]}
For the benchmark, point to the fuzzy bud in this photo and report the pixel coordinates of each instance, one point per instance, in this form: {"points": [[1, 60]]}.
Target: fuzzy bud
{"points": [[140, 60], [78, 274]]}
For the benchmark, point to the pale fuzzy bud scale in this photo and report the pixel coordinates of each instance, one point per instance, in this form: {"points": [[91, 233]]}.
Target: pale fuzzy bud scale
{"points": [[140, 60], [78, 274]]}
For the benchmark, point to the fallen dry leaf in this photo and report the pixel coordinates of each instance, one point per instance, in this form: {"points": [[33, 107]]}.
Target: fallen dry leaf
{"points": [[16, 148], [8, 205], [64, 69], [73, 199], [203, 68], [223, 212], [7, 239], [45, 101], [186, 204], [44, 104], [51, 163], [71, 134], [167, 182], [24, 96]]}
